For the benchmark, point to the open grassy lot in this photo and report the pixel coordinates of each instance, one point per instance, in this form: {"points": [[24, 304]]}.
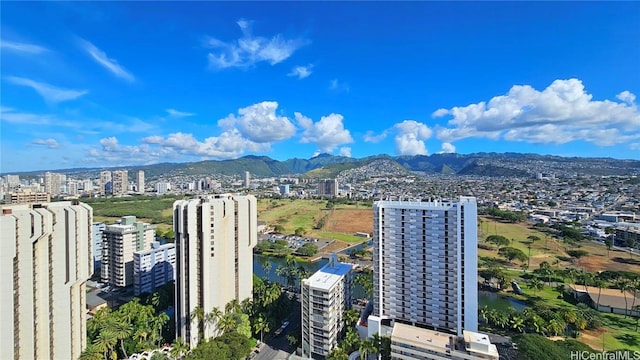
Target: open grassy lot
{"points": [[619, 332], [551, 249], [156, 210]]}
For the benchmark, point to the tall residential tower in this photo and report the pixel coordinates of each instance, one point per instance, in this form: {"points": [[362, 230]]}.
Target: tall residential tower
{"points": [[215, 237], [45, 261], [425, 264]]}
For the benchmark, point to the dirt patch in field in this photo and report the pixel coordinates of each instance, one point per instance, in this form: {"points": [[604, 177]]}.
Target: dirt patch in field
{"points": [[335, 246], [350, 221]]}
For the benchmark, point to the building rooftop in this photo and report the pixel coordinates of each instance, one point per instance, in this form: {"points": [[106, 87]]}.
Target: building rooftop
{"points": [[329, 275], [421, 338]]}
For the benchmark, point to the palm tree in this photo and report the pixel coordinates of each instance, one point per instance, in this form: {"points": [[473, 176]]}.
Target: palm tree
{"points": [[624, 285], [261, 325], [338, 354], [121, 330], [367, 347], [266, 266], [178, 348], [532, 239], [232, 306], [293, 340], [106, 343], [92, 352], [351, 317], [517, 323], [599, 283], [226, 323], [484, 313], [556, 326], [198, 314], [535, 284], [155, 299], [546, 270], [213, 317], [158, 323]]}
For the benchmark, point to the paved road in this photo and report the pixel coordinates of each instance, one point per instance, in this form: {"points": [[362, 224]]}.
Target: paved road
{"points": [[277, 347]]}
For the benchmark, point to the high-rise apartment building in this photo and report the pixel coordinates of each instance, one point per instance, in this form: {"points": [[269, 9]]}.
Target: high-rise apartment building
{"points": [[105, 182], [97, 228], [215, 237], [140, 184], [119, 242], [120, 182], [154, 267], [53, 183], [45, 261], [328, 188], [247, 179], [425, 264], [324, 297]]}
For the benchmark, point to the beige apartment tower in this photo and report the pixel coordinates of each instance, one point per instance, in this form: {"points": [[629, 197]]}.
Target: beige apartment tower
{"points": [[215, 237], [119, 242], [140, 185], [120, 182], [45, 260]]}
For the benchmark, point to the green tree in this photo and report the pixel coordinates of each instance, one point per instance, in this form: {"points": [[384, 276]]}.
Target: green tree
{"points": [[198, 314], [350, 317], [535, 284], [609, 243], [338, 354], [365, 279], [261, 326], [300, 231], [278, 228], [577, 254], [545, 268], [293, 340], [367, 347], [178, 348], [308, 249], [498, 240], [511, 253]]}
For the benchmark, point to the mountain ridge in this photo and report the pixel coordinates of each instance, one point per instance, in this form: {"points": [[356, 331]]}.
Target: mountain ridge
{"points": [[480, 164]]}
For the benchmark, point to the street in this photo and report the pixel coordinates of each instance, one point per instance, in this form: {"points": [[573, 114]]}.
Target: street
{"points": [[277, 347]]}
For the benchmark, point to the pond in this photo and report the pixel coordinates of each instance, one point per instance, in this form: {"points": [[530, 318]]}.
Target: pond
{"points": [[260, 260], [496, 301]]}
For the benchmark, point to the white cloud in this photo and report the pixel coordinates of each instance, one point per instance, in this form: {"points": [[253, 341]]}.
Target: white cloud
{"points": [[371, 137], [178, 114], [345, 151], [326, 134], [634, 146], [49, 93], [249, 49], [410, 136], [26, 48], [110, 64], [561, 113], [50, 143], [338, 86], [260, 123], [447, 148], [230, 144], [301, 72]]}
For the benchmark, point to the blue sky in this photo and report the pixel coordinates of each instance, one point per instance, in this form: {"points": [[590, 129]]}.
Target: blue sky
{"points": [[93, 84]]}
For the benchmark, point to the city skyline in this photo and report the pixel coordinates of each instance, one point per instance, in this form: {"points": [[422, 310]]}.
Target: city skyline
{"points": [[120, 84]]}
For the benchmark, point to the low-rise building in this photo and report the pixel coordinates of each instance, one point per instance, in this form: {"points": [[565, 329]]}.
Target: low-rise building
{"points": [[27, 197], [414, 343], [154, 267]]}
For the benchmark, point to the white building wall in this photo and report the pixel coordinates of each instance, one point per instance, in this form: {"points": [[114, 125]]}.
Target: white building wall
{"points": [[44, 268], [420, 277], [214, 263]]}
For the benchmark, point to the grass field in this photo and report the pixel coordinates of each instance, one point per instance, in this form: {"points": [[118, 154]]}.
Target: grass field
{"points": [[340, 222], [157, 210], [619, 332]]}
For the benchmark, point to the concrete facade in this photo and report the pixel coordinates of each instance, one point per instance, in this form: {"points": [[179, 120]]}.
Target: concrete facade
{"points": [[153, 268], [425, 263], [324, 297], [45, 258], [119, 243], [215, 237]]}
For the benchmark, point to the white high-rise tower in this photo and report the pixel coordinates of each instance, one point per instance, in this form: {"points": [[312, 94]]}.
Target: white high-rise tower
{"points": [[425, 264], [45, 261], [215, 237]]}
